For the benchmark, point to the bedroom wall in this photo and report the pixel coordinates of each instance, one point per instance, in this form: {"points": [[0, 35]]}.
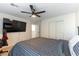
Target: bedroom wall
{"points": [[77, 21], [69, 21], [15, 37]]}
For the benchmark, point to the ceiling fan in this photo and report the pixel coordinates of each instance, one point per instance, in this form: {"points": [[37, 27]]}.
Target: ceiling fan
{"points": [[33, 11]]}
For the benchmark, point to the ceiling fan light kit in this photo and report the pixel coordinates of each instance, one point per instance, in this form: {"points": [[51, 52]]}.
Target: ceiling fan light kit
{"points": [[33, 16]]}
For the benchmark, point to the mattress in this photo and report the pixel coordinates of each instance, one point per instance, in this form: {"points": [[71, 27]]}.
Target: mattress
{"points": [[41, 47]]}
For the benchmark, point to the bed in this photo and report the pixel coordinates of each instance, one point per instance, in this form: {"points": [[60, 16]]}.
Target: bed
{"points": [[41, 47]]}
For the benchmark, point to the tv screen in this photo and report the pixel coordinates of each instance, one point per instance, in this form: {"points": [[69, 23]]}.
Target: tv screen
{"points": [[14, 26], [19, 26]]}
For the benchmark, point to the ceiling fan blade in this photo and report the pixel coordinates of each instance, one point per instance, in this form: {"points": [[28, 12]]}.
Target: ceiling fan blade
{"points": [[25, 12], [40, 12], [12, 4], [32, 9], [37, 15]]}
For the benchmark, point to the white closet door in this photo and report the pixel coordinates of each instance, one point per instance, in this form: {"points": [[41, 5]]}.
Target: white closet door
{"points": [[59, 30], [51, 30], [37, 30]]}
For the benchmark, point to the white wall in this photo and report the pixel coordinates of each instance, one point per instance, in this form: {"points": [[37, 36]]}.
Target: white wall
{"points": [[77, 21], [15, 37], [69, 25]]}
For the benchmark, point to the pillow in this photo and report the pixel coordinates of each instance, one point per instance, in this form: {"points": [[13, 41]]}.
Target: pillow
{"points": [[72, 43]]}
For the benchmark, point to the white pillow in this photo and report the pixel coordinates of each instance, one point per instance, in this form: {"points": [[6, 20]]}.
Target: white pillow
{"points": [[72, 42]]}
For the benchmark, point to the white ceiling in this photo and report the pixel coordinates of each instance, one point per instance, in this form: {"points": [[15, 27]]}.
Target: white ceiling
{"points": [[52, 9]]}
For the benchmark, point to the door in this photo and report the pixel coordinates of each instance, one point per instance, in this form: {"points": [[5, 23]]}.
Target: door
{"points": [[59, 30], [51, 30], [35, 30]]}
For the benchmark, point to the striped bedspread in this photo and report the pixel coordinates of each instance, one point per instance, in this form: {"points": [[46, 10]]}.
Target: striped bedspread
{"points": [[40, 47], [76, 49]]}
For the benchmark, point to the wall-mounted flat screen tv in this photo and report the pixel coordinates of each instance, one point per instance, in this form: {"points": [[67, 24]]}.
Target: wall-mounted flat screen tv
{"points": [[14, 26]]}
